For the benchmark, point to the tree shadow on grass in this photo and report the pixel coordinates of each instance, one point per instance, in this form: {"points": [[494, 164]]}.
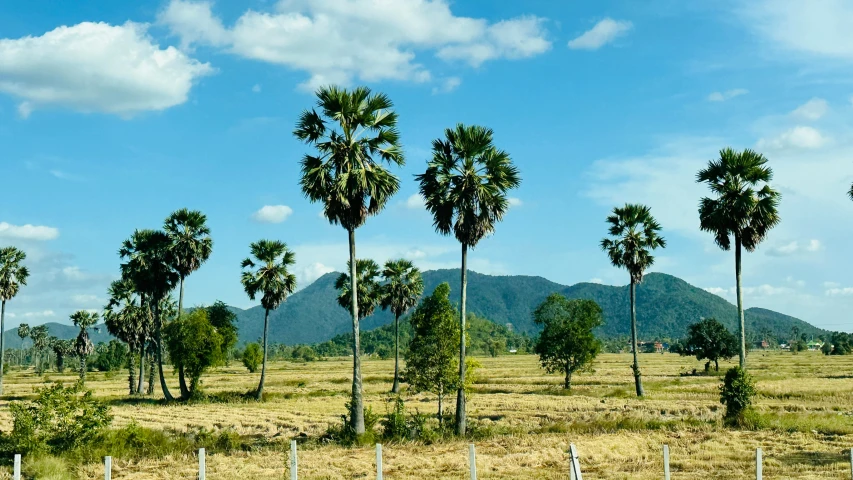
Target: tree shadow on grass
{"points": [[817, 459]]}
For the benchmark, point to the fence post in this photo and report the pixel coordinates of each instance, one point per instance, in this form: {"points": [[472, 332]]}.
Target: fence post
{"points": [[576, 466], [294, 462], [666, 462], [758, 463], [108, 468], [17, 471], [472, 461], [378, 461], [851, 462], [201, 464]]}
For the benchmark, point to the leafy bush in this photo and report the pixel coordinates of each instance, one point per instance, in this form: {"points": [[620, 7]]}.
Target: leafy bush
{"points": [[344, 433], [394, 425], [736, 393], [252, 357], [304, 352]]}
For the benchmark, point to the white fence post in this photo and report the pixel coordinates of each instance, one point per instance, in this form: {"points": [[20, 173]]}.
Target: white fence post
{"points": [[472, 461], [851, 462], [108, 468], [758, 463], [576, 466], [378, 461], [666, 462], [201, 464], [294, 462], [17, 471]]}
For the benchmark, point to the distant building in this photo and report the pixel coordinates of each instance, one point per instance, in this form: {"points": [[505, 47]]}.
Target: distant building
{"points": [[814, 345], [658, 347]]}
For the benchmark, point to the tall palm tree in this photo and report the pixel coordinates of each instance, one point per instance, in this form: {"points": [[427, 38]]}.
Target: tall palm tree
{"points": [[268, 274], [149, 266], [83, 346], [354, 133], [191, 247], [635, 234], [744, 207], [39, 335], [403, 287], [23, 332], [465, 187], [13, 275], [369, 291], [128, 318]]}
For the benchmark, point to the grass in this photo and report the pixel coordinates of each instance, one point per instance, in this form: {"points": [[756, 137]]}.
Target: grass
{"points": [[522, 422]]}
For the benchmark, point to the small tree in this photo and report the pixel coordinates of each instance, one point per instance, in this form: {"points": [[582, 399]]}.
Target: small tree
{"points": [[194, 344], [223, 320], [83, 346], [39, 336], [736, 393], [24, 333], [710, 340], [61, 349], [567, 343], [252, 357]]}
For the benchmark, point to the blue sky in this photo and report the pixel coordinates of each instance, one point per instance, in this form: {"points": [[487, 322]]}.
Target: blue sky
{"points": [[113, 115]]}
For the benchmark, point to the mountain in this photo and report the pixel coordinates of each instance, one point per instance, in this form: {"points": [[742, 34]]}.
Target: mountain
{"points": [[666, 305], [58, 330]]}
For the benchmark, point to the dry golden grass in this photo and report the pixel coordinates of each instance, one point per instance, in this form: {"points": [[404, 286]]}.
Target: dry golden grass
{"points": [[806, 400]]}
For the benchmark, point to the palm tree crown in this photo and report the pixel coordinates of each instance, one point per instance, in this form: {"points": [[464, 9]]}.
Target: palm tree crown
{"points": [[191, 243], [354, 132], [369, 290], [125, 316], [850, 192], [13, 275], [635, 234], [745, 205], [149, 263], [271, 277], [84, 320], [404, 285], [466, 182]]}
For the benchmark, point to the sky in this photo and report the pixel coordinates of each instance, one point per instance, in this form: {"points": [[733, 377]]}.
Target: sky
{"points": [[114, 114]]}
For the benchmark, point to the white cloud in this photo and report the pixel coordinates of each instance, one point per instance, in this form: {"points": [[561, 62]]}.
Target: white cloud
{"points": [[415, 202], [839, 292], [256, 88], [338, 41], [797, 137], [447, 85], [96, 67], [84, 300], [27, 232], [601, 34], [814, 109], [272, 214], [312, 272], [792, 248], [727, 95], [41, 314], [25, 109], [717, 291], [596, 280], [514, 202], [64, 175], [831, 284]]}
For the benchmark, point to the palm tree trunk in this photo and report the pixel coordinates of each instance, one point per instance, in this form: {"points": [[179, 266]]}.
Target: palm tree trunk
{"points": [[396, 387], [131, 372], [158, 322], [638, 382], [140, 389], [440, 398], [83, 367], [460, 393], [151, 362], [182, 381], [357, 402], [740, 304], [260, 391], [2, 341]]}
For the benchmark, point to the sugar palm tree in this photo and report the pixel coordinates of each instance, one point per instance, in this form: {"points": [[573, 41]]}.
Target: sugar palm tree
{"points": [[83, 346], [191, 247], [369, 291], [268, 273], [635, 235], [23, 332], [403, 287], [128, 318], [354, 134], [13, 275], [465, 187], [850, 192], [39, 335], [744, 207], [149, 266]]}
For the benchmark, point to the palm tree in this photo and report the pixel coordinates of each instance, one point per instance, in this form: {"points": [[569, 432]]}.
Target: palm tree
{"points": [[369, 291], [268, 275], [465, 187], [62, 349], [83, 346], [745, 207], [191, 247], [850, 192], [23, 332], [404, 285], [13, 275], [128, 318], [635, 234], [354, 133], [39, 335], [149, 266]]}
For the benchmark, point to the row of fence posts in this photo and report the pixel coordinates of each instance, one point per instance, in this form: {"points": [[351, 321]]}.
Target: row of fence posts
{"points": [[574, 464]]}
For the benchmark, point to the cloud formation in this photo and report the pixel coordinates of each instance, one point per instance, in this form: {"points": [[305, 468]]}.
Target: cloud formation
{"points": [[604, 32], [272, 214], [27, 232], [812, 110], [727, 95], [795, 247], [798, 137]]}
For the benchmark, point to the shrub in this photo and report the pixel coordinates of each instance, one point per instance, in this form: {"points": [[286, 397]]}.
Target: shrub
{"points": [[344, 433], [252, 357], [304, 352], [736, 393], [394, 425]]}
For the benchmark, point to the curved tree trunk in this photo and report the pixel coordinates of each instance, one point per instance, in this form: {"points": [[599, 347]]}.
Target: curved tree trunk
{"points": [[396, 387], [460, 393], [182, 381], [638, 382], [260, 391], [357, 402], [2, 341], [158, 323], [740, 304]]}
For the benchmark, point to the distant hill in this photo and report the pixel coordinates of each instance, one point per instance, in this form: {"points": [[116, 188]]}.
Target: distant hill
{"points": [[58, 330]]}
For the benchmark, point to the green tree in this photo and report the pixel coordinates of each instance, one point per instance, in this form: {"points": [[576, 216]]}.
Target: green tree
{"points": [[110, 356], [195, 344], [403, 287], [149, 266], [13, 275], [710, 340], [24, 333], [268, 274], [369, 293], [61, 349], [744, 207], [431, 361], [252, 357], [634, 233], [83, 346], [128, 317], [465, 188], [737, 393], [191, 247], [39, 336], [354, 134], [567, 343], [222, 318]]}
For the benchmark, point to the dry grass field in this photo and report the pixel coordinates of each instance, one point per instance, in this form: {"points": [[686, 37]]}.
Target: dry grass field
{"points": [[525, 421]]}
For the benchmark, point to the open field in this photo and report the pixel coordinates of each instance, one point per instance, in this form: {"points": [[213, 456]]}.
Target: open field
{"points": [[525, 421]]}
